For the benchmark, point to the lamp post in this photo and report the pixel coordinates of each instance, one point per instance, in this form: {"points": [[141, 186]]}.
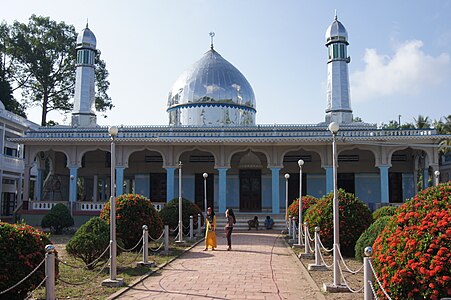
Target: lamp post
{"points": [[180, 239], [437, 177], [287, 176], [205, 175], [300, 243], [336, 286], [113, 281]]}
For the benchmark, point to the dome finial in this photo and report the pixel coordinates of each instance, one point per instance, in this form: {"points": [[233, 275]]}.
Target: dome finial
{"points": [[335, 18], [212, 35], [87, 23]]}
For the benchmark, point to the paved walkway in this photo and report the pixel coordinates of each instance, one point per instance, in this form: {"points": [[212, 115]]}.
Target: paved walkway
{"points": [[259, 267]]}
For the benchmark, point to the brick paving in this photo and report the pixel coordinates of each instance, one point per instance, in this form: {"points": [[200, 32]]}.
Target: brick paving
{"points": [[259, 266]]}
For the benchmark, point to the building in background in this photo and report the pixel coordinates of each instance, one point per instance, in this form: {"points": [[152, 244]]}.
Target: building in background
{"points": [[12, 161], [212, 130]]}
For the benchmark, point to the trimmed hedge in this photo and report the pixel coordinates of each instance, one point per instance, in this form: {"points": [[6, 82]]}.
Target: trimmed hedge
{"points": [[58, 219], [22, 249], [384, 211], [354, 217], [412, 255], [170, 213], [90, 240], [369, 236], [132, 212]]}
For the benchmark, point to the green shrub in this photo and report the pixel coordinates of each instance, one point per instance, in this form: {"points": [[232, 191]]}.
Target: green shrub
{"points": [[307, 202], [369, 236], [22, 249], [132, 212], [57, 219], [412, 255], [170, 213], [384, 211], [354, 217], [90, 241]]}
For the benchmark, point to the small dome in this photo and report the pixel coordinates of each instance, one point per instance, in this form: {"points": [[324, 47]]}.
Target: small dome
{"points": [[336, 32], [86, 38], [212, 84]]}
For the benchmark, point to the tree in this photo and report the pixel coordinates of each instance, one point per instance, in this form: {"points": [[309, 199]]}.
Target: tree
{"points": [[422, 122], [357, 119], [6, 92], [444, 127], [42, 53], [391, 125]]}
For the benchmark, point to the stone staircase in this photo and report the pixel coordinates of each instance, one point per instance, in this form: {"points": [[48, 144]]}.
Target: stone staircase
{"points": [[242, 218]]}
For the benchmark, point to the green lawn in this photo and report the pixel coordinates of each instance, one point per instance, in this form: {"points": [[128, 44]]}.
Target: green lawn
{"points": [[87, 284]]}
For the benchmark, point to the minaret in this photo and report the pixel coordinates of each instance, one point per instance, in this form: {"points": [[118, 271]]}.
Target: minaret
{"points": [[83, 114], [338, 100]]}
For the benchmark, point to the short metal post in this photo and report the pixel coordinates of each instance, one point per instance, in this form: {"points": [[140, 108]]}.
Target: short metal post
{"points": [[293, 225], [199, 225], [289, 225], [367, 275], [191, 228], [145, 244], [50, 272], [145, 261], [306, 239], [317, 247], [318, 265], [166, 238]]}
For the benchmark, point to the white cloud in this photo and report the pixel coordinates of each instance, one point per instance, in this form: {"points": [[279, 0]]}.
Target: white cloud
{"points": [[408, 72]]}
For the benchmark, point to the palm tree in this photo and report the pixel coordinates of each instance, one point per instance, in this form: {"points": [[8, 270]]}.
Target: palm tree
{"points": [[444, 127], [422, 122]]}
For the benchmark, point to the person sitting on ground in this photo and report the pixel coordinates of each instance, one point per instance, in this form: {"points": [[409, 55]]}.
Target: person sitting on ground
{"points": [[269, 222], [253, 223]]}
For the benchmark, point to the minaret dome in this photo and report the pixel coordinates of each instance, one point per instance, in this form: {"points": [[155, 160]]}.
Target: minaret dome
{"points": [[336, 32], [86, 39]]}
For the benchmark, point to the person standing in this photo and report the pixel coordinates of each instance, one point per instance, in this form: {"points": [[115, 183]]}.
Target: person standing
{"points": [[231, 220], [210, 232]]}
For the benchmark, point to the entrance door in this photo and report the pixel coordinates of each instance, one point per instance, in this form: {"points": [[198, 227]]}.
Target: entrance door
{"points": [[250, 190], [346, 181], [395, 187]]}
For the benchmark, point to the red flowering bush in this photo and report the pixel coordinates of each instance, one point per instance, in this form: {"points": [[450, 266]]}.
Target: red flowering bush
{"points": [[132, 212], [307, 201], [354, 218], [22, 249], [412, 255]]}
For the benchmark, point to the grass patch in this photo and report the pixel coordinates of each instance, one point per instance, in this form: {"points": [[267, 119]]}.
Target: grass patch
{"points": [[87, 284]]}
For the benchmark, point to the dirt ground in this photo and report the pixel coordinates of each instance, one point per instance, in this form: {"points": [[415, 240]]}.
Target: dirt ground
{"points": [[355, 281]]}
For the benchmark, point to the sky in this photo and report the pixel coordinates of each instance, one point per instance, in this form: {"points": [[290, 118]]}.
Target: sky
{"points": [[400, 53]]}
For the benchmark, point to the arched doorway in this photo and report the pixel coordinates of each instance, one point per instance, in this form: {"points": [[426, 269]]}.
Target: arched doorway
{"points": [[249, 165]]}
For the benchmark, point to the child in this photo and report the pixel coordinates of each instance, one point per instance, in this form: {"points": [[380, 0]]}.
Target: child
{"points": [[269, 222], [253, 223]]}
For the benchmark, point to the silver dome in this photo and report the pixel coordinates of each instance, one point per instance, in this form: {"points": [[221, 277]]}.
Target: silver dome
{"points": [[214, 92], [86, 39], [336, 31]]}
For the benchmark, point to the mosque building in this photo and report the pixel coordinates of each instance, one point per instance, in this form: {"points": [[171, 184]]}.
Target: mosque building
{"points": [[212, 129]]}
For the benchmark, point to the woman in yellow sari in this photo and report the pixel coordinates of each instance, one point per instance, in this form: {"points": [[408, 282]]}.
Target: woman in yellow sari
{"points": [[210, 233]]}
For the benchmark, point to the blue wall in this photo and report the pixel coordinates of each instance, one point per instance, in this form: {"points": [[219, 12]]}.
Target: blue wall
{"points": [[367, 188], [316, 185]]}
